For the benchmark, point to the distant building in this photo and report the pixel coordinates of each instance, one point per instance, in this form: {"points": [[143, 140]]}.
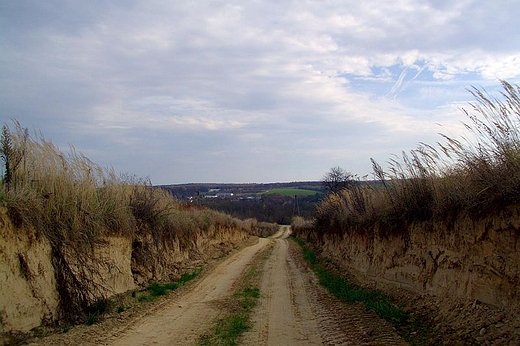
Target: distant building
{"points": [[225, 194]]}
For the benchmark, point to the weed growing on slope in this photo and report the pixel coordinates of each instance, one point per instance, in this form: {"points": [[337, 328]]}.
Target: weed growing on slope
{"points": [[341, 288], [413, 331], [156, 289]]}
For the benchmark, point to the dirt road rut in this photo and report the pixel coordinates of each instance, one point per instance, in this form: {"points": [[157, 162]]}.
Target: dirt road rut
{"points": [[183, 320], [293, 309]]}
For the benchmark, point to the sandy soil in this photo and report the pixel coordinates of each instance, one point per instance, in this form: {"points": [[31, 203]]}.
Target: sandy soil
{"points": [[295, 310], [182, 320], [292, 310]]}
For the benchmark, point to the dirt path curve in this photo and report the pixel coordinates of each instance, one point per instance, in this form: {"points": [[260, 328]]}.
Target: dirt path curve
{"points": [[181, 321], [293, 309]]}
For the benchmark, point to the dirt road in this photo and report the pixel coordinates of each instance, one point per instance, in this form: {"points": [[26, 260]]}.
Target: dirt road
{"points": [[292, 309], [295, 310], [183, 320], [284, 316]]}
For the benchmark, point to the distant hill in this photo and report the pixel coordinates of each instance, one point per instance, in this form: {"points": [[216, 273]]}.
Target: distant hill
{"points": [[269, 202], [194, 190]]}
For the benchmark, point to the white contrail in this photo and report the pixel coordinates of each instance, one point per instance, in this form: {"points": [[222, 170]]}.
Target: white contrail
{"points": [[418, 73], [398, 83]]}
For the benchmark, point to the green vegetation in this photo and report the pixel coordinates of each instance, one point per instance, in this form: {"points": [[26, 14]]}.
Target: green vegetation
{"points": [[473, 177], [308, 254], [236, 320], [373, 300], [290, 192], [228, 330], [157, 289], [341, 288], [410, 328], [119, 304]]}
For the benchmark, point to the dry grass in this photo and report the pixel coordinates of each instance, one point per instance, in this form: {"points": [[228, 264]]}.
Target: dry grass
{"points": [[259, 229], [67, 197], [70, 198], [476, 176], [75, 204]]}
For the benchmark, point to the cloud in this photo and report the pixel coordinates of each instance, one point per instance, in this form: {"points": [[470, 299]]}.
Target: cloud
{"points": [[164, 89]]}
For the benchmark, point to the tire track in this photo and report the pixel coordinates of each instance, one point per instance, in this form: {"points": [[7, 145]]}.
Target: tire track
{"points": [[342, 323], [284, 316], [295, 310]]}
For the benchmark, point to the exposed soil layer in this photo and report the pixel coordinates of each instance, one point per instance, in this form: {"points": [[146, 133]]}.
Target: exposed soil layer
{"points": [[292, 309], [296, 310], [445, 320]]}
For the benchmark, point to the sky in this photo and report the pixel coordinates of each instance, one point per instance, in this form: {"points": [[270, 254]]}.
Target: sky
{"points": [[249, 91]]}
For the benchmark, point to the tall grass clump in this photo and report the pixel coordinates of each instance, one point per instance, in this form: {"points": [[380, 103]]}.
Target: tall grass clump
{"points": [[69, 200], [477, 175], [67, 197], [76, 204]]}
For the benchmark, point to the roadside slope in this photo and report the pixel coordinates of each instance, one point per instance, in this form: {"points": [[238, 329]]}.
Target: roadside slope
{"points": [[181, 321], [293, 309]]}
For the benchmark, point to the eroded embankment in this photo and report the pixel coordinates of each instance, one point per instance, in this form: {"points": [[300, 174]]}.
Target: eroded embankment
{"points": [[38, 280], [462, 266]]}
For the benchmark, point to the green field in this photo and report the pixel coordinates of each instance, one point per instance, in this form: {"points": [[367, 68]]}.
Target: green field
{"points": [[291, 192]]}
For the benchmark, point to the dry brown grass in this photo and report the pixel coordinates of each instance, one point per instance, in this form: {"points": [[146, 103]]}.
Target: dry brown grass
{"points": [[70, 198], [477, 175], [75, 204]]}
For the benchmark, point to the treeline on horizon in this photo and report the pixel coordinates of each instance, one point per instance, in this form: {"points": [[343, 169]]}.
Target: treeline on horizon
{"points": [[252, 200], [475, 177], [268, 208]]}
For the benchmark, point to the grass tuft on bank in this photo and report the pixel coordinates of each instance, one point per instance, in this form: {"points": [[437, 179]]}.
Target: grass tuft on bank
{"points": [[346, 291], [472, 177]]}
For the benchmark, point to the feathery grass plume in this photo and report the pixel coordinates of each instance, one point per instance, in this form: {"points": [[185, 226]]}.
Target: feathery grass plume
{"points": [[476, 175], [75, 204]]}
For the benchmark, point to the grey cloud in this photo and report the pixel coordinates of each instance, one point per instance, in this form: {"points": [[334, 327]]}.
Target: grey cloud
{"points": [[180, 86]]}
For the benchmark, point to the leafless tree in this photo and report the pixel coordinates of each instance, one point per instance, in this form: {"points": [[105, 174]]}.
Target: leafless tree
{"points": [[337, 179]]}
